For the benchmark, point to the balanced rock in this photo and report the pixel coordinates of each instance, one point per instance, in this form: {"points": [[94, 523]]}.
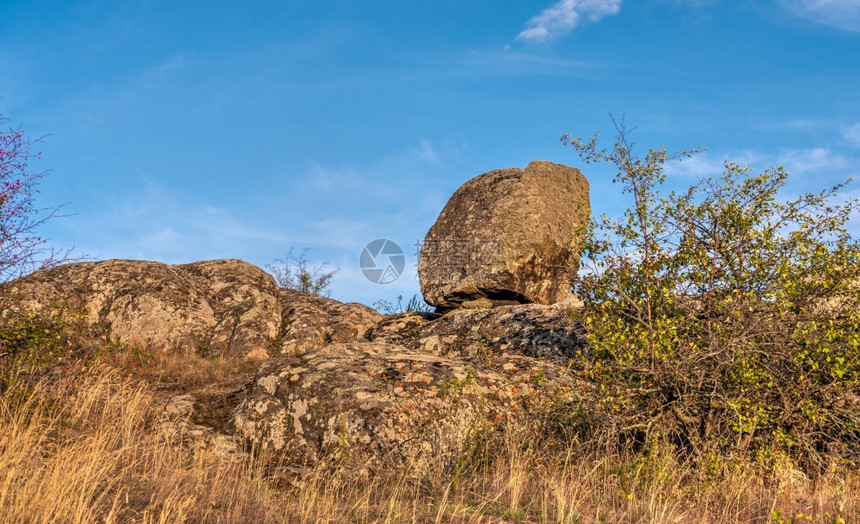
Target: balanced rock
{"points": [[507, 236]]}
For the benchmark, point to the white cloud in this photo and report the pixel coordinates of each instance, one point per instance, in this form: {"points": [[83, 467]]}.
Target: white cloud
{"points": [[698, 166], [816, 160], [709, 164], [819, 161], [852, 134], [843, 14], [806, 124], [563, 16]]}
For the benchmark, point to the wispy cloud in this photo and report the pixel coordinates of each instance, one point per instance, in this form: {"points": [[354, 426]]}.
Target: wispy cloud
{"points": [[797, 161], [156, 222], [428, 152], [831, 130], [806, 124], [697, 166], [843, 14], [563, 16], [511, 62], [812, 160], [693, 3], [710, 164], [852, 134]]}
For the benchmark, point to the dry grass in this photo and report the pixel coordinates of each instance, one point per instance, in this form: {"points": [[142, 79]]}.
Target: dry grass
{"points": [[176, 370], [88, 445]]}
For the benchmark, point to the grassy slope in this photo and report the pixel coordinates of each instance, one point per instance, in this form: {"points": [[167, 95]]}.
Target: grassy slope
{"points": [[86, 444]]}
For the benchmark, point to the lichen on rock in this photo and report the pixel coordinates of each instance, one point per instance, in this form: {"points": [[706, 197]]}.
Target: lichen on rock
{"points": [[380, 404]]}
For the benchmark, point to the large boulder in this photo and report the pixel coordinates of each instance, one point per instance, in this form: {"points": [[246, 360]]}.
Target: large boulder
{"points": [[224, 307], [134, 302], [244, 300], [507, 236]]}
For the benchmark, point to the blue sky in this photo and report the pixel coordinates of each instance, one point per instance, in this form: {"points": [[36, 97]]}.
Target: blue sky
{"points": [[183, 131]]}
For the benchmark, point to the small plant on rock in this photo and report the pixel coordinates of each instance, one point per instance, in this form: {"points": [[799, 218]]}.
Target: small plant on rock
{"points": [[415, 304], [294, 271]]}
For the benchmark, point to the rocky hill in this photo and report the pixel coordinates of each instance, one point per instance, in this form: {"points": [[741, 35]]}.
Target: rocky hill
{"points": [[335, 376]]}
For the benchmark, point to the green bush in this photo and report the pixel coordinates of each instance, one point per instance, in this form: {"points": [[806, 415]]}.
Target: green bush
{"points": [[38, 339], [722, 319], [36, 345]]}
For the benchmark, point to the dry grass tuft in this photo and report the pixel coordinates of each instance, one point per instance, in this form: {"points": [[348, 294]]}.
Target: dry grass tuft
{"points": [[88, 445]]}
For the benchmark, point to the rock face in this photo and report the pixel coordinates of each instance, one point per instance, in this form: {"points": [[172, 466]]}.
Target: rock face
{"points": [[311, 321], [398, 329], [378, 404], [531, 330], [416, 389], [126, 301], [225, 307], [507, 236], [244, 300]]}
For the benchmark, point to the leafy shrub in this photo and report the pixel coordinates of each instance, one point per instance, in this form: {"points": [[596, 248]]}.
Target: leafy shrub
{"points": [[24, 332], [33, 346], [722, 319], [295, 272]]}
